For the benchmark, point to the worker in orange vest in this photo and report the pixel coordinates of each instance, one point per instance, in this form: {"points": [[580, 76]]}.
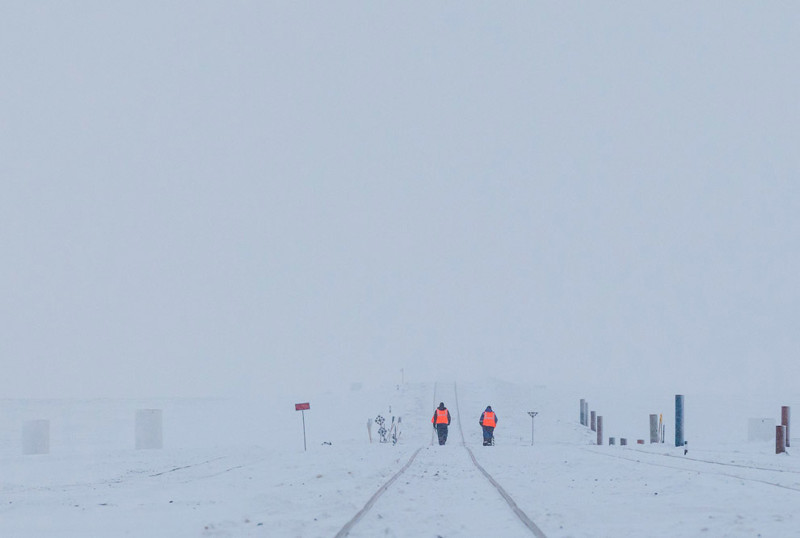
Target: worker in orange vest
{"points": [[488, 421], [440, 420]]}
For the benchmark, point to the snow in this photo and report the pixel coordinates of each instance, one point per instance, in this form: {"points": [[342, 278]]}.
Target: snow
{"points": [[237, 468]]}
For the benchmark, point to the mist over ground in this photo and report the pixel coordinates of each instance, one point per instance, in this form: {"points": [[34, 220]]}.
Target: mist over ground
{"points": [[205, 199]]}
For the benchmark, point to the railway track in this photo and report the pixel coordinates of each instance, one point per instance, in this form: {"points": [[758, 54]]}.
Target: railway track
{"points": [[694, 465], [426, 475]]}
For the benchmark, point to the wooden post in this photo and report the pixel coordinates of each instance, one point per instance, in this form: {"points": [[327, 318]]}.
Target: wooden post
{"points": [[583, 415], [593, 421], [599, 430], [785, 419], [780, 439], [653, 428]]}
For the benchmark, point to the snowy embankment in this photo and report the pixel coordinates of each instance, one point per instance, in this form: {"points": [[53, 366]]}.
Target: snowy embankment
{"points": [[233, 468]]}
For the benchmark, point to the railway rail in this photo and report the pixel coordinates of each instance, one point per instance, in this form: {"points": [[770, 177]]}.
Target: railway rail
{"points": [[520, 515]]}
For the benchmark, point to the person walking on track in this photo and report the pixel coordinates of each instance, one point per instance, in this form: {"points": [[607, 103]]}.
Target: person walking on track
{"points": [[488, 421], [441, 419]]}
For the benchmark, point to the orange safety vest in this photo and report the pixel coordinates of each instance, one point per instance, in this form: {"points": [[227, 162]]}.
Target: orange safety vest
{"points": [[441, 416], [488, 419]]}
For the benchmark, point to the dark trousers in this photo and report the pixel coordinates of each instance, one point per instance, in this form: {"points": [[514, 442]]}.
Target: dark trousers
{"points": [[488, 434], [441, 430]]}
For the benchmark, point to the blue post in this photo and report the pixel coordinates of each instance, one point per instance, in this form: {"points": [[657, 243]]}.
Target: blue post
{"points": [[679, 440]]}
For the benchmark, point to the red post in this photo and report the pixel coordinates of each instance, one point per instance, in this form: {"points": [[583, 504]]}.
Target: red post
{"points": [[780, 439]]}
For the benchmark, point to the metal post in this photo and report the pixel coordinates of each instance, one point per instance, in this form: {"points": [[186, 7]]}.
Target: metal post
{"points": [[583, 415], [780, 439], [599, 430], [786, 415], [679, 420], [533, 415], [593, 420], [654, 428], [304, 429]]}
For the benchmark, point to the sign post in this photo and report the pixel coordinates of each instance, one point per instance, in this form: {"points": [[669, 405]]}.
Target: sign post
{"points": [[532, 414], [302, 408]]}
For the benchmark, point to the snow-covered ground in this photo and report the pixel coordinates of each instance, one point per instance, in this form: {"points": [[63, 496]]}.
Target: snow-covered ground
{"points": [[238, 468]]}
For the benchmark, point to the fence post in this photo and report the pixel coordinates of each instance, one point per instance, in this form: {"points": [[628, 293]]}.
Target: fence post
{"points": [[583, 414], [780, 439], [785, 419], [679, 420], [593, 420], [612, 440], [653, 428], [599, 430], [623, 441]]}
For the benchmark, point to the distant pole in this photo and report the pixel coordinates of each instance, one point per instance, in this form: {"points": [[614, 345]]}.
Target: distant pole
{"points": [[623, 441], [532, 415], [679, 420], [612, 440], [593, 419], [780, 439], [599, 430], [583, 414], [304, 430], [654, 428], [786, 415]]}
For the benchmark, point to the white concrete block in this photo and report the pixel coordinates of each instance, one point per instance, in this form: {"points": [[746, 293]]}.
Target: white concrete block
{"points": [[760, 429], [36, 437], [149, 429]]}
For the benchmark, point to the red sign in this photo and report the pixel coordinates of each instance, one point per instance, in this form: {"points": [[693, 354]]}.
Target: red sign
{"points": [[302, 406]]}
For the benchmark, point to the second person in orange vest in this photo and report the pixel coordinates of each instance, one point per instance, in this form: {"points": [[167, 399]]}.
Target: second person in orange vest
{"points": [[441, 419], [488, 421]]}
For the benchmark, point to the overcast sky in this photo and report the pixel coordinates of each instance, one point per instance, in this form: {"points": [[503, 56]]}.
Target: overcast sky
{"points": [[215, 198]]}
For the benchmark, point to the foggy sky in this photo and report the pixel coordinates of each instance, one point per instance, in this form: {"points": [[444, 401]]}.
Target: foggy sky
{"points": [[203, 198]]}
